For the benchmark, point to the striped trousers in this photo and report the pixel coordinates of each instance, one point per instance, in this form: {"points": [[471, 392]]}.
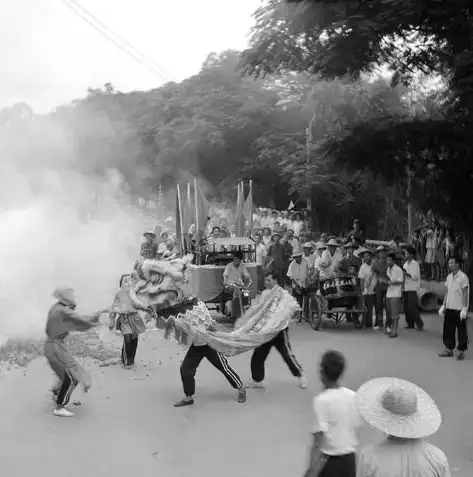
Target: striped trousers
{"points": [[282, 344], [194, 356]]}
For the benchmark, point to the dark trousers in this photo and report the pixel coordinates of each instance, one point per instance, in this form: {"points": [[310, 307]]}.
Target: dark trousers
{"points": [[299, 295], [451, 325], [130, 345], [369, 302], [281, 343], [411, 309], [64, 393], [339, 466], [380, 303], [191, 362]]}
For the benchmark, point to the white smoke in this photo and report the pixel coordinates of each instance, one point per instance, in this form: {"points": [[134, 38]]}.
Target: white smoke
{"points": [[59, 228]]}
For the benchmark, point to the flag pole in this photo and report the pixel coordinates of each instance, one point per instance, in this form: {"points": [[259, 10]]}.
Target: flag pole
{"points": [[180, 215]]}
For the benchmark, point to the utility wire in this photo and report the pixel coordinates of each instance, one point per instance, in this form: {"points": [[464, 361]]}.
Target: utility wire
{"points": [[122, 40], [108, 35]]}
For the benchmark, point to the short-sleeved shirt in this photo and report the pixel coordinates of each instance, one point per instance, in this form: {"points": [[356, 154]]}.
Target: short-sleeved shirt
{"points": [[455, 285], [233, 274], [395, 274], [413, 269], [299, 272], [407, 458], [369, 279], [337, 417]]}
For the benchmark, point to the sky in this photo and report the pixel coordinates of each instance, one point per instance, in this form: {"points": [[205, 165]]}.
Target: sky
{"points": [[49, 55]]}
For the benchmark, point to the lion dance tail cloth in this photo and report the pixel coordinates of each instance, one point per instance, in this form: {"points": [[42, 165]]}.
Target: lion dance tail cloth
{"points": [[162, 285]]}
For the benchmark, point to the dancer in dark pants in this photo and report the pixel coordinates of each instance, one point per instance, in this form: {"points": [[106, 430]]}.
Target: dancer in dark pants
{"points": [[195, 354], [454, 310], [282, 344]]}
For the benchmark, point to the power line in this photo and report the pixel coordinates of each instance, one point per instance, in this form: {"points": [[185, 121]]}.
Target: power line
{"points": [[108, 35], [121, 39]]}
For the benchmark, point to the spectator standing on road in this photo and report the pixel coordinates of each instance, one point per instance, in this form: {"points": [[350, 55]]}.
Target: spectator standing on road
{"points": [[335, 434], [411, 291], [277, 258], [298, 273], [454, 310], [407, 414], [393, 295], [379, 271], [368, 286]]}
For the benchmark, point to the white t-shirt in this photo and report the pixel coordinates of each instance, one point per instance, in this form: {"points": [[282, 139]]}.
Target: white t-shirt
{"points": [[455, 285], [369, 279], [395, 274], [297, 226], [299, 272], [413, 269], [337, 417]]}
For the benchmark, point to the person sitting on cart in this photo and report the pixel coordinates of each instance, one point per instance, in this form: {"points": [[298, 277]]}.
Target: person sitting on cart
{"points": [[298, 273], [349, 265], [235, 277]]}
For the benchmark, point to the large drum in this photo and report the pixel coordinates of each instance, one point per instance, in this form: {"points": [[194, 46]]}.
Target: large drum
{"points": [[345, 285], [328, 287]]}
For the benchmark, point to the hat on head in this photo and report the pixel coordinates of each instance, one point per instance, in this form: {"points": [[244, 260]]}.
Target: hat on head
{"points": [[398, 408], [150, 232], [321, 246], [350, 245], [380, 248], [308, 245], [65, 295], [297, 254], [362, 251], [332, 243]]}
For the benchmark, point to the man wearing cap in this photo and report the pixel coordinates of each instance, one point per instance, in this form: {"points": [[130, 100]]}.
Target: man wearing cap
{"points": [[357, 235], [407, 414], [149, 249], [298, 273], [309, 255], [368, 286], [411, 290], [454, 310]]}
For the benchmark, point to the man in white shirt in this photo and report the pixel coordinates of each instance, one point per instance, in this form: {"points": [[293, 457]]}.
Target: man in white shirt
{"points": [[454, 310], [335, 434], [261, 252], [298, 273], [393, 295], [368, 281], [411, 291]]}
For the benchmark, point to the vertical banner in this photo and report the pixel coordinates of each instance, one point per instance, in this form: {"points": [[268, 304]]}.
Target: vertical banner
{"points": [[202, 209], [239, 218], [248, 208], [179, 234]]}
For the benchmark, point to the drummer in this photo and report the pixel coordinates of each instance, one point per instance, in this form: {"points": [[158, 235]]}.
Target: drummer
{"points": [[235, 276], [350, 264]]}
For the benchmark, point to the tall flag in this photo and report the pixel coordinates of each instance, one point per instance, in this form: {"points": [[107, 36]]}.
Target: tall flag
{"points": [[160, 200], [179, 234], [248, 207], [291, 205], [188, 215], [239, 218], [201, 211]]}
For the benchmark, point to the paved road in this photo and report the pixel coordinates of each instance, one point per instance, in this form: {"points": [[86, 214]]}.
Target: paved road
{"points": [[128, 425]]}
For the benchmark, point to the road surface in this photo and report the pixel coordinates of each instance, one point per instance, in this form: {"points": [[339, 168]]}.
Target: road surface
{"points": [[128, 426]]}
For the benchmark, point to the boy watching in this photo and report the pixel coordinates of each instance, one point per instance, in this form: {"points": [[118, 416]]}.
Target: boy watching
{"points": [[335, 435]]}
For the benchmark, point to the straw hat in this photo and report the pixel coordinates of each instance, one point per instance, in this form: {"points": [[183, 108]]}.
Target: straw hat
{"points": [[297, 254], [380, 248], [332, 243], [308, 245], [350, 245], [150, 232], [321, 246], [65, 295], [398, 408]]}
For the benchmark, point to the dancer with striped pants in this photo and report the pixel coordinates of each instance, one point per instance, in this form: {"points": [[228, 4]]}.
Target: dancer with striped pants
{"points": [[282, 344], [195, 354], [62, 319]]}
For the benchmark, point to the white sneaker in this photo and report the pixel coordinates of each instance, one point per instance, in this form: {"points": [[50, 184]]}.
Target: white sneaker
{"points": [[375, 328], [63, 412], [388, 330], [254, 385], [303, 382]]}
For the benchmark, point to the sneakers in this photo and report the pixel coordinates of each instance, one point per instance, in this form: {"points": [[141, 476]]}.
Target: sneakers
{"points": [[303, 382], [62, 412], [446, 354], [375, 328], [187, 401], [241, 395], [255, 385]]}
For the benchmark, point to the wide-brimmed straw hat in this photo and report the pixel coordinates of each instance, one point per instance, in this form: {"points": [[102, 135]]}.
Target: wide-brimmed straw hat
{"points": [[398, 408], [362, 250], [333, 243], [150, 232], [350, 245], [297, 254], [321, 245], [308, 245], [65, 295], [381, 248]]}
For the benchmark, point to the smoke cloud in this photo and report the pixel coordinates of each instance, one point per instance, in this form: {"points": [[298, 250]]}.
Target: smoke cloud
{"points": [[59, 227]]}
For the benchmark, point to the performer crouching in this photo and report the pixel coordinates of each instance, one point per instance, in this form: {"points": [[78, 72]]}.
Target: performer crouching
{"points": [[191, 362], [62, 319], [129, 322], [281, 343]]}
